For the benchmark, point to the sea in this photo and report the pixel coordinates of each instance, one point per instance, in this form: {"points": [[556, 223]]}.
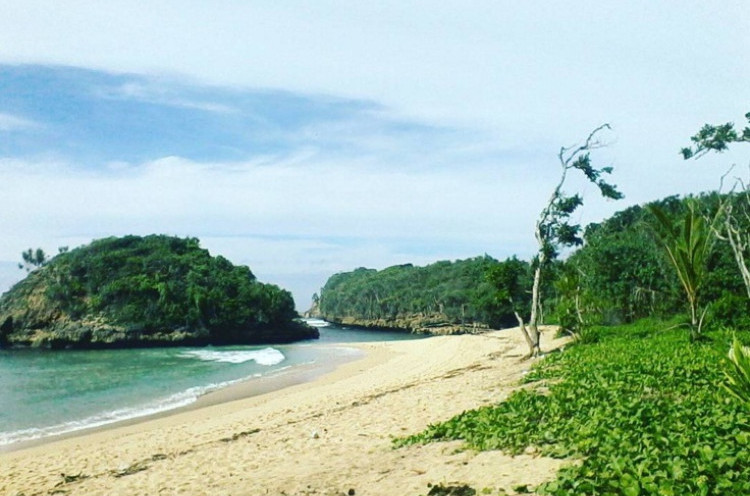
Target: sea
{"points": [[50, 393]]}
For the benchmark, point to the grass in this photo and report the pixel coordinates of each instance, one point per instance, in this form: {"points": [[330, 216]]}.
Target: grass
{"points": [[641, 408]]}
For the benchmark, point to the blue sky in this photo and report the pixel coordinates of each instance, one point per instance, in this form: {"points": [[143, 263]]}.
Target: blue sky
{"points": [[303, 139]]}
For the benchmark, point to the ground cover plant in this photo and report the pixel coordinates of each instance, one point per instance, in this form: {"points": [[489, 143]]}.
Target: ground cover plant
{"points": [[641, 409]]}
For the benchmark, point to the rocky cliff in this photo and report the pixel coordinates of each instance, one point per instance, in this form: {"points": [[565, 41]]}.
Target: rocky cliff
{"points": [[417, 324]]}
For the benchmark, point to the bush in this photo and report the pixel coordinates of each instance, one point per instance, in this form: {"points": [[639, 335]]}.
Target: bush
{"points": [[641, 408]]}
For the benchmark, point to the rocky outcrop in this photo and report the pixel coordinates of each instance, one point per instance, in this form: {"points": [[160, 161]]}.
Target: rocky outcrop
{"points": [[417, 324], [314, 310], [88, 298], [440, 298]]}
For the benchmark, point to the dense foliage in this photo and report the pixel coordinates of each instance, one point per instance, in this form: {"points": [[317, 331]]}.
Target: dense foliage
{"points": [[626, 274], [159, 281], [648, 419], [621, 273], [459, 292], [158, 284]]}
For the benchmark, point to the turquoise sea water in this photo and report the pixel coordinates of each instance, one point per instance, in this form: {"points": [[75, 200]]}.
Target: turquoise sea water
{"points": [[46, 393]]}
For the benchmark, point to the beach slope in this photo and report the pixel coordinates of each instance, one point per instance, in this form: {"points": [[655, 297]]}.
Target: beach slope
{"points": [[331, 436]]}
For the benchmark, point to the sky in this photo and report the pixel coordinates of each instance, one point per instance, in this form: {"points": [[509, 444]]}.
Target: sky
{"points": [[308, 138]]}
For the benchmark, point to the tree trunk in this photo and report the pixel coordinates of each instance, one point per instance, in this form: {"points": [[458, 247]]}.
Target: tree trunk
{"points": [[531, 340], [531, 331], [696, 324], [734, 235]]}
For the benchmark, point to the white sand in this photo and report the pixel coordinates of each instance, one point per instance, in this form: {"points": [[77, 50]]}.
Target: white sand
{"points": [[324, 437]]}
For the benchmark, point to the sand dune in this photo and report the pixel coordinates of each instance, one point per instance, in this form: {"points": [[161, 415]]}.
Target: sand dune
{"points": [[331, 436]]}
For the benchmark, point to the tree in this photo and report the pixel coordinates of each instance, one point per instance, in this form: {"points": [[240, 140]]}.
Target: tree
{"points": [[623, 270], [33, 259], [553, 228], [734, 210], [569, 306], [509, 279], [715, 138], [688, 243]]}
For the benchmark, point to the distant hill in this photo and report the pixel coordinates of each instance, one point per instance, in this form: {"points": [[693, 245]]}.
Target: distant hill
{"points": [[441, 298], [145, 291]]}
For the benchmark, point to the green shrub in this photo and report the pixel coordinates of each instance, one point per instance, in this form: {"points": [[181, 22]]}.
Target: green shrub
{"points": [[738, 373], [731, 310], [640, 408]]}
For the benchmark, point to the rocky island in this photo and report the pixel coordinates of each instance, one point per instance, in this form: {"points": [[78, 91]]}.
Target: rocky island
{"points": [[137, 291]]}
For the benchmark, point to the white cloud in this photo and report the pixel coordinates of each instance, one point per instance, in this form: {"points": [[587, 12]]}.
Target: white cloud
{"points": [[512, 81], [280, 217], [511, 67], [9, 122], [304, 216], [158, 92]]}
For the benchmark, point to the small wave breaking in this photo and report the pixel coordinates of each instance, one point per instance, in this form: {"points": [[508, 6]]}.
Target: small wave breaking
{"points": [[266, 356], [177, 400], [317, 322]]}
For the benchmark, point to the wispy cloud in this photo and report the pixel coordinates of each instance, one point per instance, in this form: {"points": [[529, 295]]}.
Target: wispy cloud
{"points": [[9, 122], [163, 94], [428, 160], [96, 118]]}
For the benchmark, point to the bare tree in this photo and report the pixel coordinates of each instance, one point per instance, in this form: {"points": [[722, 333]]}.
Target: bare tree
{"points": [[734, 208], [734, 212], [553, 228]]}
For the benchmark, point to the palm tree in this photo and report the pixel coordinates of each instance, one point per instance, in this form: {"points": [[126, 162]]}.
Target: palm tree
{"points": [[688, 242]]}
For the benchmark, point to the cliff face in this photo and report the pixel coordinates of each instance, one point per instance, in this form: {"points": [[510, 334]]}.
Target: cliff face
{"points": [[152, 291]]}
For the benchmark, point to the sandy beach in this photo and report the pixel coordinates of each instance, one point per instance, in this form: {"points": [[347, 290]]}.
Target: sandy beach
{"points": [[330, 436]]}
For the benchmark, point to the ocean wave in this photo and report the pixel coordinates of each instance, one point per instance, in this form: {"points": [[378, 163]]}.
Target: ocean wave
{"points": [[266, 356], [177, 400], [317, 322]]}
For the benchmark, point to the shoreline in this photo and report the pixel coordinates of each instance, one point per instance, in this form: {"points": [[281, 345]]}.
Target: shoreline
{"points": [[323, 436], [244, 389]]}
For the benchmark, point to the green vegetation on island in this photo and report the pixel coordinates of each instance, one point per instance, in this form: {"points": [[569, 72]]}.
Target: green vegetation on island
{"points": [[444, 297], [145, 291]]}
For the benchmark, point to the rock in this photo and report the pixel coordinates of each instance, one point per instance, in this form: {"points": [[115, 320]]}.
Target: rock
{"points": [[435, 324]]}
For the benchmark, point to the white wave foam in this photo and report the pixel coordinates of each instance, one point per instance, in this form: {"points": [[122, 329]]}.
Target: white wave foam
{"points": [[317, 322], [266, 356]]}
